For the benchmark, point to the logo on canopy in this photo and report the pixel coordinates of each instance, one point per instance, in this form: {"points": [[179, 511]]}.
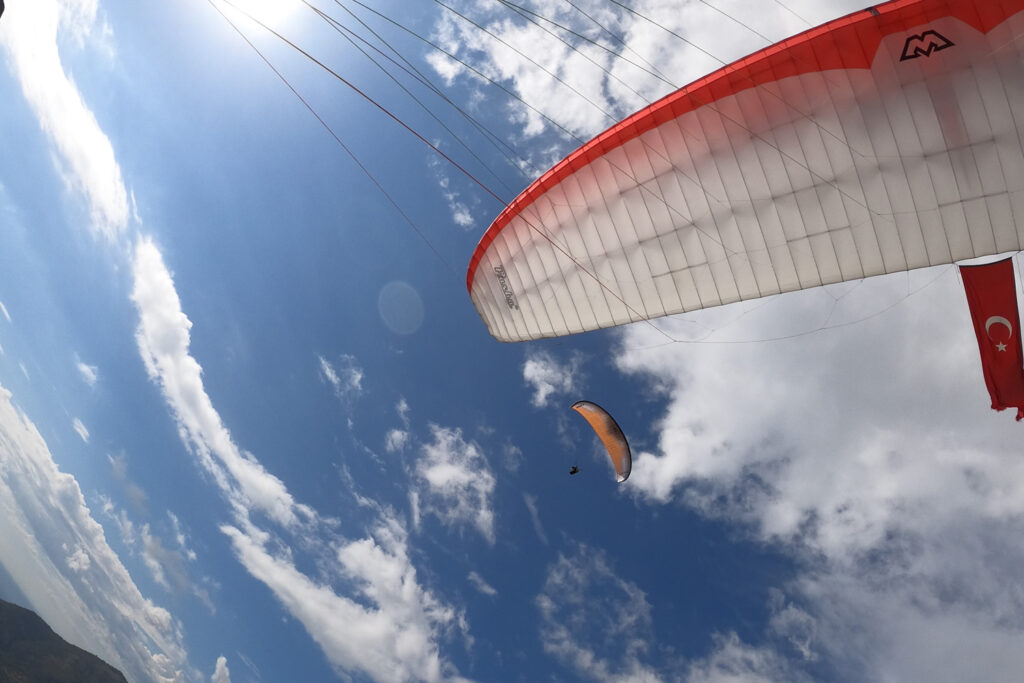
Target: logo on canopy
{"points": [[924, 44], [506, 290]]}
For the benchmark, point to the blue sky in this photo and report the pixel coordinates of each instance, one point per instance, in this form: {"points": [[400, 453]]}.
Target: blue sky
{"points": [[252, 428]]}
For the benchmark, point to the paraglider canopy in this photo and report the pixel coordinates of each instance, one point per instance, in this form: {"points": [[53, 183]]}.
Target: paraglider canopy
{"points": [[611, 436], [880, 142]]}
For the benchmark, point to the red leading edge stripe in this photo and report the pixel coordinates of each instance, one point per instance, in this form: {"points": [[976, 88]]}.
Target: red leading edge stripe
{"points": [[846, 43]]}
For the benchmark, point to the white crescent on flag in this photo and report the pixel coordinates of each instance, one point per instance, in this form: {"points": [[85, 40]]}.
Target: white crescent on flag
{"points": [[997, 320]]}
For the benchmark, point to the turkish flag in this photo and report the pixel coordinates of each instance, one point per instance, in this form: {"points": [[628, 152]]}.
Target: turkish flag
{"points": [[992, 297]]}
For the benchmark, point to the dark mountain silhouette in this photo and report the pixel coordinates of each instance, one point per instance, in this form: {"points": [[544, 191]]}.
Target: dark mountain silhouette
{"points": [[30, 652]]}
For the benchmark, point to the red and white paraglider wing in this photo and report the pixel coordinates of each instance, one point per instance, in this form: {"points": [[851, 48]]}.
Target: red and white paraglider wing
{"points": [[880, 142]]}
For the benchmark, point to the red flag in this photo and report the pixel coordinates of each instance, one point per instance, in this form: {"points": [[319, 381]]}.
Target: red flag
{"points": [[992, 297]]}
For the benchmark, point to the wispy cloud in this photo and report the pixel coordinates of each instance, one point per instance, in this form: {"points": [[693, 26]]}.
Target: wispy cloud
{"points": [[455, 483], [391, 626], [89, 373], [531, 506], [80, 429], [85, 154], [133, 492], [58, 555], [481, 585], [458, 207], [388, 631], [549, 377], [344, 375], [163, 339], [3, 309], [581, 590]]}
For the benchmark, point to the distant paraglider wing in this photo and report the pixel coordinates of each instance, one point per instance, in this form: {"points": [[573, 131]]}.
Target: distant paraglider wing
{"points": [[880, 142], [611, 436]]}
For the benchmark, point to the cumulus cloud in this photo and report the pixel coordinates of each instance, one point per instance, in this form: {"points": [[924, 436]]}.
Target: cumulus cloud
{"points": [[58, 555], [455, 482], [868, 452], [402, 408], [84, 153], [395, 440], [388, 630], [733, 660], [221, 674], [611, 61], [80, 429], [79, 560], [163, 339], [548, 377]]}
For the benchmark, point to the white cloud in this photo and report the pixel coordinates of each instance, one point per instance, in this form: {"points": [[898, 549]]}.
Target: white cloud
{"points": [[531, 506], [167, 565], [80, 429], [481, 585], [390, 629], [84, 153], [455, 482], [402, 408], [180, 538], [389, 632], [3, 309], [592, 88], [89, 373], [581, 590], [511, 457], [395, 440], [457, 207], [163, 340], [136, 496], [868, 452], [732, 661], [344, 375], [79, 560], [58, 555], [548, 377], [221, 674]]}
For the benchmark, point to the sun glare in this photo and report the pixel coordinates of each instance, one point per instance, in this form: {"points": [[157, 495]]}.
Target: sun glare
{"points": [[271, 13]]}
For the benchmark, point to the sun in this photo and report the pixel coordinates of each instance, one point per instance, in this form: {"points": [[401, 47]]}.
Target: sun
{"points": [[270, 13]]}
